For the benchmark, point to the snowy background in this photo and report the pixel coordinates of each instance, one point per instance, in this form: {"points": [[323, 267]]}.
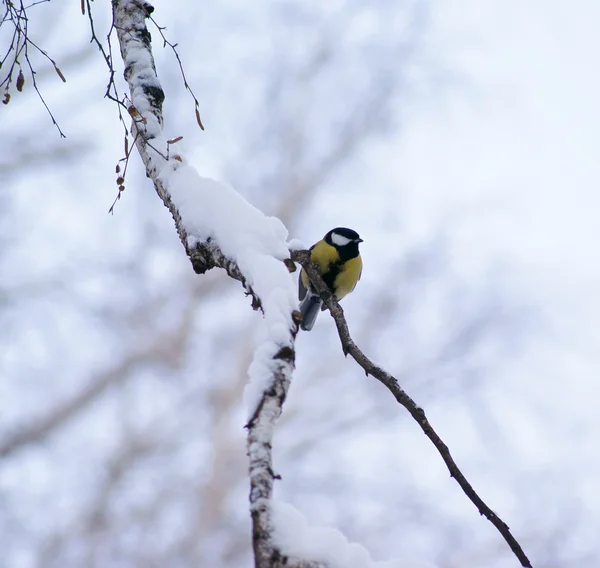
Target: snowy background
{"points": [[459, 139]]}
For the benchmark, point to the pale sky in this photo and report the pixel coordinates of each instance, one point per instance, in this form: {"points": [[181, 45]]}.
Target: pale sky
{"points": [[501, 146]]}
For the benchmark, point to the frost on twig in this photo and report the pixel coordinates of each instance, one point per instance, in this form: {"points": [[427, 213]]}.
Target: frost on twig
{"points": [[391, 383]]}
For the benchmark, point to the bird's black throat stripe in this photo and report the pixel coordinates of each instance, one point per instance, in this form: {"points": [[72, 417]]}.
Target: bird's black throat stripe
{"points": [[346, 253]]}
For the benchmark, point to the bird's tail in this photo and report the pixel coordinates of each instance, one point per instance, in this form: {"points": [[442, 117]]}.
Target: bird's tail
{"points": [[309, 307]]}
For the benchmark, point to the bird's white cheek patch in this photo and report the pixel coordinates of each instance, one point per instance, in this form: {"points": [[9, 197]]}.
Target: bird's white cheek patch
{"points": [[340, 240]]}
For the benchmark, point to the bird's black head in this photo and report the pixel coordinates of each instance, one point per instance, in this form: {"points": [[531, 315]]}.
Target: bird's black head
{"points": [[344, 240]]}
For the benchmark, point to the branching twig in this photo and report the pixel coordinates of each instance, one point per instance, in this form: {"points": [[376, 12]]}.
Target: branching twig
{"points": [[19, 45], [350, 348]]}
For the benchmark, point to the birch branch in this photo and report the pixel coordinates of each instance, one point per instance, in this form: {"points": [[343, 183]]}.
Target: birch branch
{"points": [[391, 383], [147, 97]]}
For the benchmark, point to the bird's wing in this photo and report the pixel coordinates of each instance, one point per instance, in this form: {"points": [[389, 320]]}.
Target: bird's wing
{"points": [[301, 286], [303, 280]]}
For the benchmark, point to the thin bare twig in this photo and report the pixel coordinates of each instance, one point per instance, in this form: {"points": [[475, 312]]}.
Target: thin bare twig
{"points": [[19, 45], [112, 93], [173, 47], [350, 348]]}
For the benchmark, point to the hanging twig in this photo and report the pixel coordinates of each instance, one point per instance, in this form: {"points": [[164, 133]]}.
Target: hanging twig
{"points": [[173, 46], [16, 14]]}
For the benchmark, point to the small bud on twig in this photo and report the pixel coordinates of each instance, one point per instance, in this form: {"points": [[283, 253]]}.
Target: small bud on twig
{"points": [[20, 81], [198, 120], [59, 73]]}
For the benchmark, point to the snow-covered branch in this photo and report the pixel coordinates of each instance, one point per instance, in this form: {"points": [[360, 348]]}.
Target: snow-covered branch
{"points": [[218, 228], [391, 383]]}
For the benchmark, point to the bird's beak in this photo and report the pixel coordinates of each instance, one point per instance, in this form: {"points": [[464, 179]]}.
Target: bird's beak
{"points": [[359, 241]]}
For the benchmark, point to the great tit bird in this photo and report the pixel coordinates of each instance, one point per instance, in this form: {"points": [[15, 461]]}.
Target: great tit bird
{"points": [[340, 264]]}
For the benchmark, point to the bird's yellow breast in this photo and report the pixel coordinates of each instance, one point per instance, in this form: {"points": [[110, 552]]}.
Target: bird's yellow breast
{"points": [[327, 259], [348, 277]]}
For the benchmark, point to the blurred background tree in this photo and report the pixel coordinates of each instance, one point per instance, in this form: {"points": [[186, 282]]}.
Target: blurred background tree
{"points": [[122, 372]]}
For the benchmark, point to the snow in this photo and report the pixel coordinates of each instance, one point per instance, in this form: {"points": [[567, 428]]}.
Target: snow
{"points": [[212, 210], [260, 374], [294, 537], [296, 244], [256, 243]]}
